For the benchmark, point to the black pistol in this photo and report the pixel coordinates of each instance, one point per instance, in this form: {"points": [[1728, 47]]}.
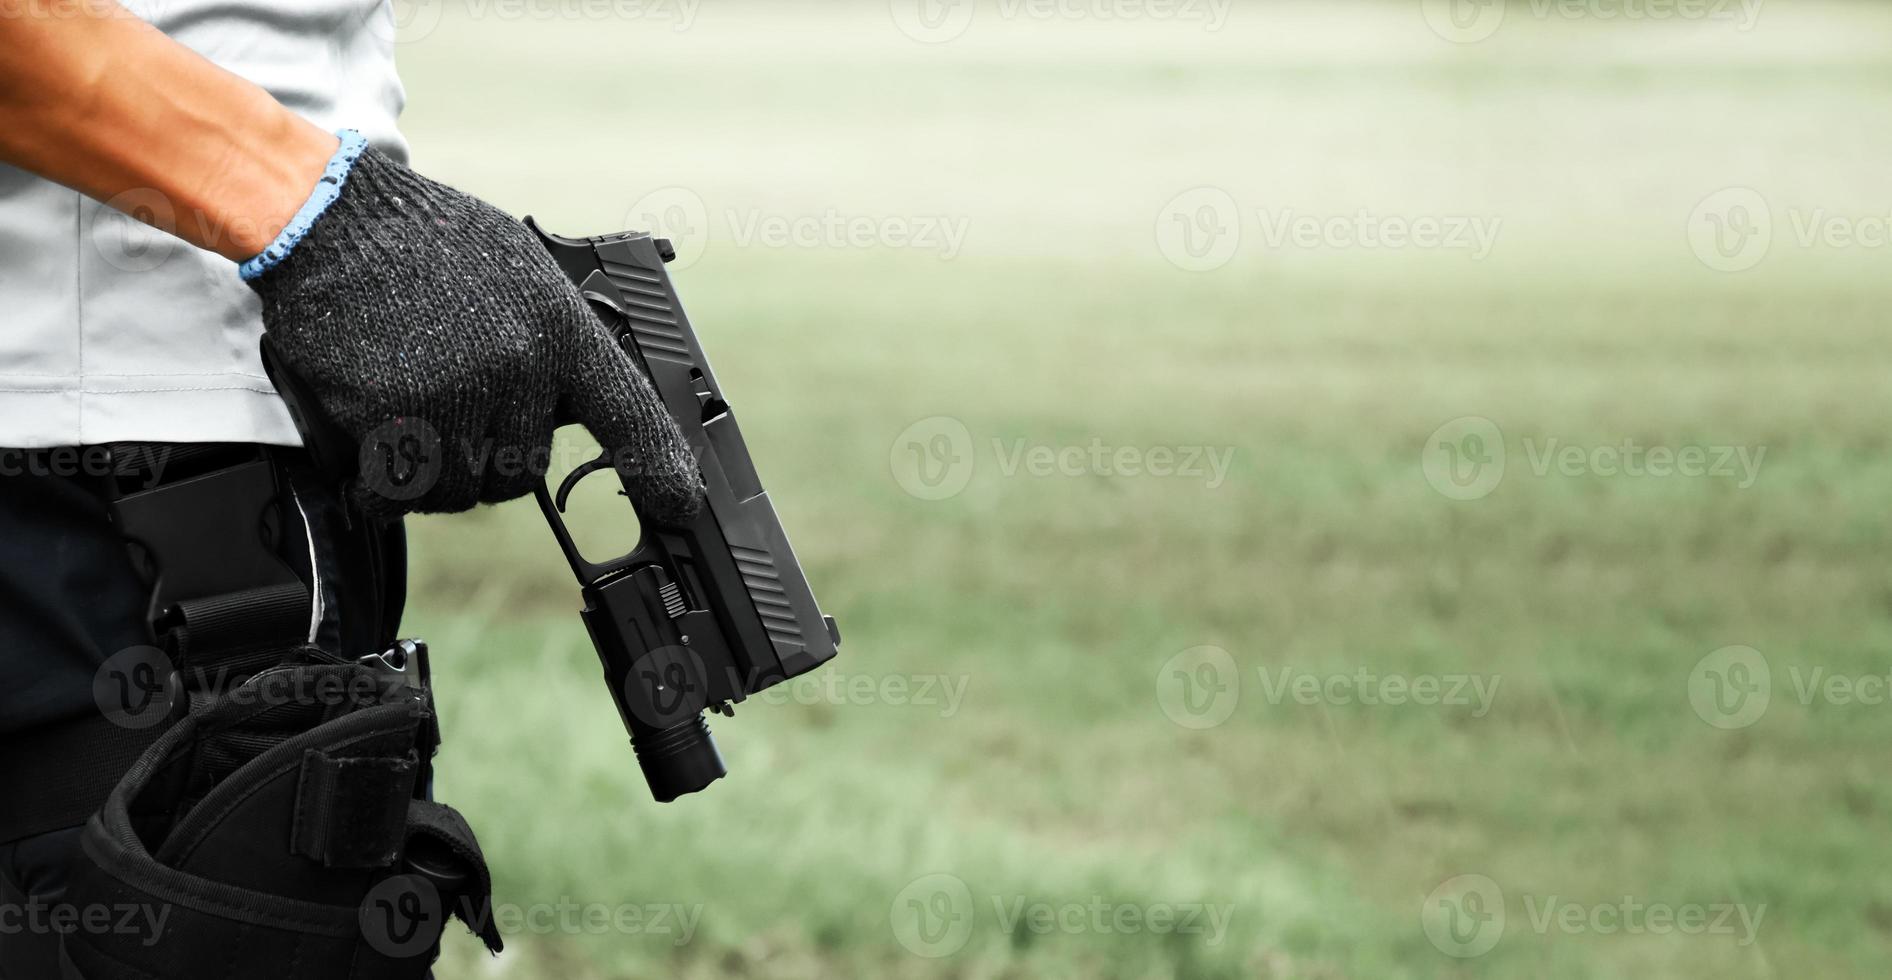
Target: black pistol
{"points": [[701, 616], [696, 617]]}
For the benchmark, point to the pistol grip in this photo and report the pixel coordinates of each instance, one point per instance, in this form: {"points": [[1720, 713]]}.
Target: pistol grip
{"points": [[328, 445]]}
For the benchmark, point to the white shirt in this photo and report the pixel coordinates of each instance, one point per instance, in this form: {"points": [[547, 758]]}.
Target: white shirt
{"points": [[111, 330]]}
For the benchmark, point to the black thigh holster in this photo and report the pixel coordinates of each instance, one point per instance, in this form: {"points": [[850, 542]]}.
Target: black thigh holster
{"points": [[279, 833], [276, 820]]}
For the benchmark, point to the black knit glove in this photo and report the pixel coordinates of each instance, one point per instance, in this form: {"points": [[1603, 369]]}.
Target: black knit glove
{"points": [[438, 334]]}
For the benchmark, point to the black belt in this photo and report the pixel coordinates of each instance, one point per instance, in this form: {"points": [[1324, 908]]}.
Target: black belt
{"points": [[219, 614]]}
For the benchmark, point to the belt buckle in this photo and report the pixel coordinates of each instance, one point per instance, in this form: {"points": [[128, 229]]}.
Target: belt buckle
{"points": [[207, 533]]}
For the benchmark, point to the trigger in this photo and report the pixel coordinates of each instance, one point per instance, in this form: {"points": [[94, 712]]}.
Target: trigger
{"points": [[603, 462]]}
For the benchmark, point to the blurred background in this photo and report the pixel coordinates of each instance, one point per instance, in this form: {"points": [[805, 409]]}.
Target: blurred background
{"points": [[1309, 489]]}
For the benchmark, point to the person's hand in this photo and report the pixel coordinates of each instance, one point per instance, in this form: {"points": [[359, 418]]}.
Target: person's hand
{"points": [[411, 309]]}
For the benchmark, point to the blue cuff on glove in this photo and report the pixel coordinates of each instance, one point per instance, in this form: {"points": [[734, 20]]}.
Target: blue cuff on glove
{"points": [[326, 191]]}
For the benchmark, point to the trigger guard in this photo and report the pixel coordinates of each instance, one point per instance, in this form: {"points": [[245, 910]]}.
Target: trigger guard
{"points": [[603, 462]]}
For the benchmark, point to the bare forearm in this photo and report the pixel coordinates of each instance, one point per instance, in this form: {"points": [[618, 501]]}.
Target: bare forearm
{"points": [[93, 98]]}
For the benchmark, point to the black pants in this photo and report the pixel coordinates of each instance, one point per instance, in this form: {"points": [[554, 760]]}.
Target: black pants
{"points": [[70, 598]]}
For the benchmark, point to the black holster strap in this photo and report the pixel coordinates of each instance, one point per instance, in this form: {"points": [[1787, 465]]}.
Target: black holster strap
{"points": [[226, 627], [442, 825], [71, 766], [56, 775], [352, 812]]}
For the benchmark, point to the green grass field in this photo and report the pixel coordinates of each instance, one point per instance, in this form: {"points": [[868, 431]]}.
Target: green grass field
{"points": [[1008, 710]]}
